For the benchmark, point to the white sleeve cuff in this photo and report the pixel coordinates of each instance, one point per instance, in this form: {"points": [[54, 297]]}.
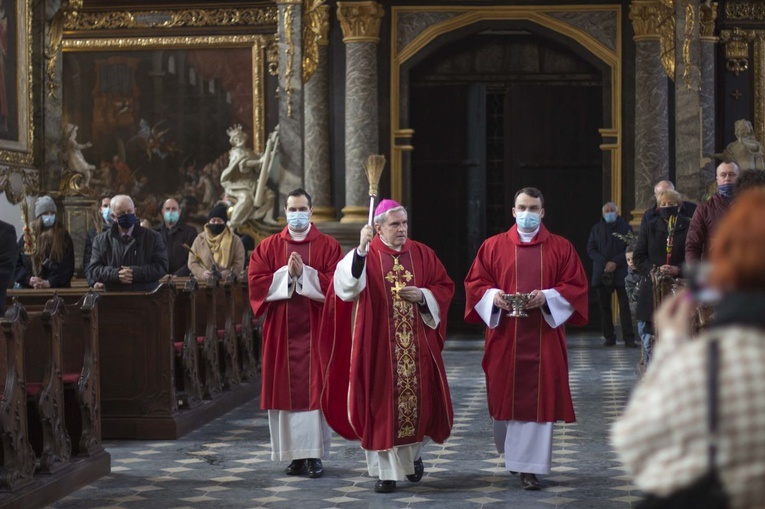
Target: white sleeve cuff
{"points": [[348, 287], [281, 286], [486, 309], [308, 284], [560, 309], [432, 315]]}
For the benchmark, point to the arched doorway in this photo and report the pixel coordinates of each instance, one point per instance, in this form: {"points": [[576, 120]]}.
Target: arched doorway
{"points": [[493, 112]]}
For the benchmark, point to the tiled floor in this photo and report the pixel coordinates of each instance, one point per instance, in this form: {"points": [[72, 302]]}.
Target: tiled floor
{"points": [[227, 463]]}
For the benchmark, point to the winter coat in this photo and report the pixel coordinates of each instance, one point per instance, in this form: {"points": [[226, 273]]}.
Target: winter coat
{"points": [[651, 251], [604, 247], [174, 239], [703, 225], [144, 252], [58, 274]]}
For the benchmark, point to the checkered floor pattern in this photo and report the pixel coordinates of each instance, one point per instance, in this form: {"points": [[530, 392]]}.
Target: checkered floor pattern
{"points": [[226, 464]]}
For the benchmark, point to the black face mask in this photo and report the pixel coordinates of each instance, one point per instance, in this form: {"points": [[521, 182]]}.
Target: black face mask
{"points": [[667, 212], [126, 221], [216, 229]]}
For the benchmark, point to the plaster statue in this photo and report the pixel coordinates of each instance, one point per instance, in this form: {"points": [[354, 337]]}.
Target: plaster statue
{"points": [[746, 151], [75, 160], [244, 180]]}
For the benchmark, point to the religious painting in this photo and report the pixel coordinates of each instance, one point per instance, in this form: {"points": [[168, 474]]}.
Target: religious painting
{"points": [[149, 117], [15, 79]]}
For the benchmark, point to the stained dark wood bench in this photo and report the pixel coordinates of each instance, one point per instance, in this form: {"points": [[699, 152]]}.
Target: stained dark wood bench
{"points": [[50, 409]]}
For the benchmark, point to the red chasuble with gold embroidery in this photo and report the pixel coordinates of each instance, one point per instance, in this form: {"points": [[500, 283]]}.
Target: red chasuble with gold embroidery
{"points": [[525, 360], [290, 374], [385, 380]]}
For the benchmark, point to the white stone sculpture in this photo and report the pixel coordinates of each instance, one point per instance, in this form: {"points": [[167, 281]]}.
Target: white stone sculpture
{"points": [[75, 160]]}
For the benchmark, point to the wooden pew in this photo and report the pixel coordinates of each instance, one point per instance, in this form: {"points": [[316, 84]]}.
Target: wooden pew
{"points": [[188, 380], [139, 399], [35, 352]]}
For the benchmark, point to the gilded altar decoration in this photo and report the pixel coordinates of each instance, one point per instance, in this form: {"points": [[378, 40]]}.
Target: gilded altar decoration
{"points": [[187, 18], [315, 34], [655, 19], [736, 44], [691, 76], [405, 349], [272, 56], [288, 19], [18, 183], [708, 16], [66, 14], [753, 10], [360, 21]]}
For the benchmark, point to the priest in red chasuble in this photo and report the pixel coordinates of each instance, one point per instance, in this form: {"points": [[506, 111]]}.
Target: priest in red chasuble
{"points": [[289, 274], [382, 338], [525, 359]]}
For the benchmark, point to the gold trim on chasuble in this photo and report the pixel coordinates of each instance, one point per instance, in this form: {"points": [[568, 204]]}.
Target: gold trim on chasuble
{"points": [[405, 349]]}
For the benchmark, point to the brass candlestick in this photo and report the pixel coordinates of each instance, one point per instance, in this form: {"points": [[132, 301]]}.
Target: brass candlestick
{"points": [[518, 303]]}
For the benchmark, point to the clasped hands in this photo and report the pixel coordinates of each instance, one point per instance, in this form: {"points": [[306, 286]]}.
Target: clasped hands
{"points": [[38, 282], [537, 300], [125, 275], [295, 265]]}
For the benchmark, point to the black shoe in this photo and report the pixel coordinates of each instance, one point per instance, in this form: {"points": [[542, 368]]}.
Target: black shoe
{"points": [[512, 473], [419, 469], [530, 482], [630, 344], [609, 342], [315, 468], [385, 486], [297, 467]]}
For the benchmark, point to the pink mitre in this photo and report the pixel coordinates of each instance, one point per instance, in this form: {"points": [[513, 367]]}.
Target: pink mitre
{"points": [[385, 205]]}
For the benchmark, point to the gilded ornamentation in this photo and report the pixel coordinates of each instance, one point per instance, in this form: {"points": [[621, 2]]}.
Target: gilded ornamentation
{"points": [[360, 21], [736, 44], [708, 15], [690, 71], [66, 13], [315, 34], [749, 11], [655, 19], [406, 351], [759, 86], [288, 18], [254, 16], [18, 182], [272, 56]]}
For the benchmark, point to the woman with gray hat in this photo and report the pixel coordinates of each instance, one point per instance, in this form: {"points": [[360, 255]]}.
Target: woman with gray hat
{"points": [[49, 261]]}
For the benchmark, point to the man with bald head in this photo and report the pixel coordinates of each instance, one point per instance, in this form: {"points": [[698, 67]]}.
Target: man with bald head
{"points": [[175, 233], [127, 257], [686, 209], [708, 214]]}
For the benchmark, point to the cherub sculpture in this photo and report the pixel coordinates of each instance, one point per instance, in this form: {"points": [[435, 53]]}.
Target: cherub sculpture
{"points": [[244, 180], [75, 160]]}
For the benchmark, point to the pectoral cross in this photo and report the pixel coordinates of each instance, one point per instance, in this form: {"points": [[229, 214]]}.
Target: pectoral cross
{"points": [[395, 278]]}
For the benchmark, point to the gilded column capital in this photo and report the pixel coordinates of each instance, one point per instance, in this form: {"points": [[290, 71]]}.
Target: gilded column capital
{"points": [[646, 16], [288, 2], [708, 16], [360, 21]]}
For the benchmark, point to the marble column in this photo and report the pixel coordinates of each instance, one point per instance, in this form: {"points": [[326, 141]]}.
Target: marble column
{"points": [[291, 123], [708, 72], [688, 176], [316, 158], [651, 118], [360, 22]]}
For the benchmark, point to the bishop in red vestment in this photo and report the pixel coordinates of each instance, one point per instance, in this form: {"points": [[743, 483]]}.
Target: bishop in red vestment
{"points": [[289, 274], [385, 381], [525, 359]]}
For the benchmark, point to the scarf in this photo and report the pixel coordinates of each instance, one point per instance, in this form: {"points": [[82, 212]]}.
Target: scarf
{"points": [[220, 246]]}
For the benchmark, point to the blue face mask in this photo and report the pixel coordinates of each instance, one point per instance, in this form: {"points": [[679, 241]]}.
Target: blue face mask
{"points": [[527, 220], [126, 221], [172, 216], [298, 220], [726, 190], [107, 215], [49, 220], [610, 217]]}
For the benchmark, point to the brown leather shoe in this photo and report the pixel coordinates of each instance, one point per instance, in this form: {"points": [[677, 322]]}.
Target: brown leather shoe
{"points": [[297, 467], [530, 482]]}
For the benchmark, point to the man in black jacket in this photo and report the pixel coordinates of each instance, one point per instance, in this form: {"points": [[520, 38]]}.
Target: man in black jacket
{"points": [[8, 257], [127, 257], [175, 234], [609, 268]]}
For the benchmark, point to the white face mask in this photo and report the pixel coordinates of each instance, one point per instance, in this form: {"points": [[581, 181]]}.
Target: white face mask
{"points": [[298, 220], [527, 220]]}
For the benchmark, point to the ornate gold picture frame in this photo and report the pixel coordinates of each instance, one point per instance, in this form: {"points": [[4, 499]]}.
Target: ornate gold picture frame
{"points": [[16, 131], [151, 113]]}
